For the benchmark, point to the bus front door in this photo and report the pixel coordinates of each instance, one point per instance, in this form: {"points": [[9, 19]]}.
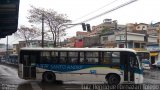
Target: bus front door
{"points": [[29, 68], [128, 69]]}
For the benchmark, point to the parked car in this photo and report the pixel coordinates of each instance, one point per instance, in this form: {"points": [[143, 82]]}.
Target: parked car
{"points": [[157, 64], [146, 64]]}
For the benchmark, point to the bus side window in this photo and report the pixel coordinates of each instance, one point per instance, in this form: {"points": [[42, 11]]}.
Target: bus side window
{"points": [[82, 58], [63, 57], [54, 57], [92, 57], [106, 57], [73, 57], [116, 58], [45, 57]]}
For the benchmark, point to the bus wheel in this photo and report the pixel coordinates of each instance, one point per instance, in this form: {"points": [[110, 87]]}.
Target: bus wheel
{"points": [[49, 77], [113, 79]]}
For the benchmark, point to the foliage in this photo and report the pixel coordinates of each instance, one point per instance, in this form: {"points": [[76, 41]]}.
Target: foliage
{"points": [[27, 33], [55, 22]]}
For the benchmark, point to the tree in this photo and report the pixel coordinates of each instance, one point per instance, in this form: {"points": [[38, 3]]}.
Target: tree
{"points": [[27, 33], [55, 22]]}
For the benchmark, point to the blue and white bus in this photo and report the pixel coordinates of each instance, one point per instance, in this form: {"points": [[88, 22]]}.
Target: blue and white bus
{"points": [[112, 65]]}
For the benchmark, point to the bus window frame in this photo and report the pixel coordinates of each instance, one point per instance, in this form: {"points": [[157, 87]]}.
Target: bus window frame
{"points": [[83, 59], [110, 58], [73, 59]]}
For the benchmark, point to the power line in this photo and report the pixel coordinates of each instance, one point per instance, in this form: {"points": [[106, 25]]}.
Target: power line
{"points": [[118, 7], [96, 10]]}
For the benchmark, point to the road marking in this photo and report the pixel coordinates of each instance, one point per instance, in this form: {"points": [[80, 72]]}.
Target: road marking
{"points": [[35, 86]]}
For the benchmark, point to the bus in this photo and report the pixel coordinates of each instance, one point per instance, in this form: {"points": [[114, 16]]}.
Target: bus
{"points": [[110, 65]]}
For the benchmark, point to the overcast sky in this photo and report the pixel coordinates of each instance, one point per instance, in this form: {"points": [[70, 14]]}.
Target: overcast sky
{"points": [[141, 11]]}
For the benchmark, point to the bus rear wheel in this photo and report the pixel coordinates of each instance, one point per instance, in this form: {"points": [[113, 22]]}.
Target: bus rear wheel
{"points": [[49, 77], [113, 79]]}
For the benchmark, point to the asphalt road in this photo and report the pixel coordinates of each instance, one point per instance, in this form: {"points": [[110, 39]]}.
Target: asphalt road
{"points": [[9, 80]]}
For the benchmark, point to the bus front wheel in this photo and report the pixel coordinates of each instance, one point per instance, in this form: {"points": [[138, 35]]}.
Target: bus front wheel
{"points": [[48, 77], [113, 79]]}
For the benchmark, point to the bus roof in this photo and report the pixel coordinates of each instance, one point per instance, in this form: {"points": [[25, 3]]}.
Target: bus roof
{"points": [[79, 49]]}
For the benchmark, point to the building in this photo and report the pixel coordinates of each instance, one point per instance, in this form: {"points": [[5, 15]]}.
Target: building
{"points": [[5, 50], [32, 43], [108, 39], [16, 48], [80, 35], [154, 52], [107, 23], [2, 50], [35, 43], [141, 26], [134, 40], [70, 42], [131, 35], [154, 48]]}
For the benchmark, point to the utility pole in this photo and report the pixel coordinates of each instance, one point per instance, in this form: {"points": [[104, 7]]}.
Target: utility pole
{"points": [[6, 58], [126, 36], [158, 41], [145, 36], [42, 30]]}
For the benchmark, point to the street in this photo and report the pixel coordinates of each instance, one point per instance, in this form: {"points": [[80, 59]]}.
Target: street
{"points": [[9, 80], [152, 76]]}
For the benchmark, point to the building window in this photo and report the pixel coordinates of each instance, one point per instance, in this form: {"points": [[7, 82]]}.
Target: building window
{"points": [[136, 45], [121, 45], [105, 38], [143, 27]]}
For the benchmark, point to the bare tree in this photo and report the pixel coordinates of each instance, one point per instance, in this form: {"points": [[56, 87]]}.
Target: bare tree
{"points": [[27, 33], [54, 21]]}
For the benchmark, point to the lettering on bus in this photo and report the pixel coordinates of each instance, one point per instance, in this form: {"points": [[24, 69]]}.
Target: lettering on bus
{"points": [[60, 67]]}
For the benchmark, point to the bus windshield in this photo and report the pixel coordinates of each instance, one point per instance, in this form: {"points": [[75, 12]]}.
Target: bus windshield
{"points": [[143, 56]]}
